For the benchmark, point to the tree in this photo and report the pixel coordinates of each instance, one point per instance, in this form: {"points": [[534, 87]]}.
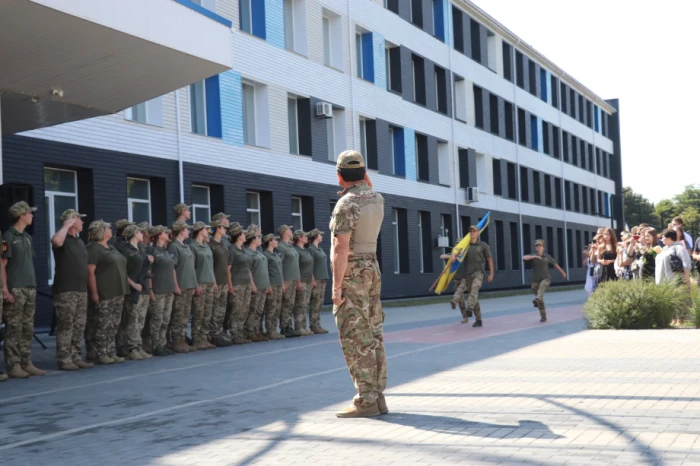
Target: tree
{"points": [[691, 221], [665, 210], [638, 209]]}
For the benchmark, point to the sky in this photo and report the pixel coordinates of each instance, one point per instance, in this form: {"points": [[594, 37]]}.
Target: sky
{"points": [[643, 53]]}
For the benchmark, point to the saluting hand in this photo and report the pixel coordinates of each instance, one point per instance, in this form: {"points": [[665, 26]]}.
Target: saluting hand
{"points": [[69, 222]]}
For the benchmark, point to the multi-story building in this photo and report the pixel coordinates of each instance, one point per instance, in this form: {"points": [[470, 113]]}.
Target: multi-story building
{"points": [[455, 115]]}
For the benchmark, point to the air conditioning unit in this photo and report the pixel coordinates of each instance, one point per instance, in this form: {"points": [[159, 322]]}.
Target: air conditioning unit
{"points": [[324, 110], [471, 195], [443, 242]]}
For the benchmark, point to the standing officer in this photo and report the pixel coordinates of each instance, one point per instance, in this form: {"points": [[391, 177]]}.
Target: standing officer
{"points": [[477, 254], [70, 291], [274, 299], [182, 212], [355, 225], [20, 282], [318, 292], [292, 276]]}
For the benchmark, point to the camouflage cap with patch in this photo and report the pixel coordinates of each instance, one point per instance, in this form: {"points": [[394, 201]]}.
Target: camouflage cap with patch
{"points": [[217, 223], [157, 230], [99, 224], [178, 226], [253, 226], [539, 241], [123, 223], [269, 237], [350, 159], [131, 230], [21, 208], [219, 216], [199, 226], [180, 208], [71, 213], [144, 225], [251, 233]]}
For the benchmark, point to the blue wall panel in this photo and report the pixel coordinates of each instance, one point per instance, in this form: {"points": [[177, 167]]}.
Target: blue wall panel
{"points": [[231, 108], [379, 60], [368, 57], [540, 137], [274, 22], [534, 133], [439, 19], [399, 153], [258, 13], [409, 138], [213, 97]]}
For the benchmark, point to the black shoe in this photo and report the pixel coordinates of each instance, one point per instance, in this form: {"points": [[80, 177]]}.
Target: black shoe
{"points": [[477, 324], [470, 313], [289, 332], [536, 302], [543, 319]]}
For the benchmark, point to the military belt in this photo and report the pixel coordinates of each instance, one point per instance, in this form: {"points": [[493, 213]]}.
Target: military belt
{"points": [[362, 257]]}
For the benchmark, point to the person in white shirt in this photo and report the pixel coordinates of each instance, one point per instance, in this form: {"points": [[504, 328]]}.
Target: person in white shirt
{"points": [[667, 271]]}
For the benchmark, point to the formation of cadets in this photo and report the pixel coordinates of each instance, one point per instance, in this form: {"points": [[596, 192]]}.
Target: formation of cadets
{"points": [[131, 293]]}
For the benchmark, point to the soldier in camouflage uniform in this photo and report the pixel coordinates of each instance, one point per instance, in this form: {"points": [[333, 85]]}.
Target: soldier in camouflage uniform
{"points": [[206, 289], [477, 255], [70, 291], [540, 277], [355, 225], [162, 286], [20, 283], [306, 278], [241, 285], [185, 284], [108, 285], [118, 237], [222, 271], [318, 292], [261, 282], [291, 276], [274, 298]]}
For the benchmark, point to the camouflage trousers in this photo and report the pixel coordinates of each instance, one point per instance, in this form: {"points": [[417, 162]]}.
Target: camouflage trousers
{"points": [[301, 306], [538, 289], [272, 309], [360, 321], [239, 303], [471, 285], [102, 324], [218, 314], [71, 316], [160, 311], [257, 310], [19, 330], [317, 295], [203, 307], [182, 306], [132, 323], [288, 299]]}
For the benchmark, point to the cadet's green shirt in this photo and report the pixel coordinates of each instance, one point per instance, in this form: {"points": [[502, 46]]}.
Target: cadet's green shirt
{"points": [[241, 265], [110, 271], [71, 266], [136, 259], [541, 267], [306, 265], [274, 267], [203, 262], [476, 257], [184, 265], [290, 261], [220, 252], [162, 271], [320, 262], [461, 271], [19, 252], [260, 275]]}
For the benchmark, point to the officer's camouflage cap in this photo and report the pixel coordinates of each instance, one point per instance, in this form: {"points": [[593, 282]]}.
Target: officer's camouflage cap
{"points": [[179, 225], [157, 230], [251, 233], [121, 224], [473, 228], [98, 225], [180, 208], [144, 225], [198, 226], [131, 230], [315, 232], [219, 216], [253, 227], [219, 222], [299, 233], [20, 209], [282, 229], [234, 230], [350, 159], [269, 237], [71, 213], [539, 241]]}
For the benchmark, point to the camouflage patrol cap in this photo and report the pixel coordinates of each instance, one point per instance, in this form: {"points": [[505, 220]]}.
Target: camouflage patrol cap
{"points": [[473, 228], [180, 208], [119, 225], [315, 232], [219, 216], [20, 209], [98, 225], [539, 242], [282, 229], [350, 159], [218, 222], [71, 213], [253, 226], [157, 230], [178, 226], [199, 226], [235, 230], [251, 233], [269, 237], [299, 233], [144, 225], [131, 230]]}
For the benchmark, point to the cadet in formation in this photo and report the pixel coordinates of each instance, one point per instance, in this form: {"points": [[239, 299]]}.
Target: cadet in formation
{"points": [[318, 292], [185, 284], [206, 288], [540, 277], [222, 271], [291, 276], [306, 280], [274, 298], [241, 284], [260, 287], [162, 290]]}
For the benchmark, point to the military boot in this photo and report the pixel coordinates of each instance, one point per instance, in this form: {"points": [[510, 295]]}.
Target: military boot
{"points": [[68, 366], [536, 302], [117, 359], [82, 364], [263, 337], [160, 352], [105, 360], [319, 330], [254, 337], [359, 411], [305, 332], [180, 346], [3, 377], [381, 404], [33, 371], [134, 355], [145, 354], [201, 345], [478, 323], [16, 372], [275, 336]]}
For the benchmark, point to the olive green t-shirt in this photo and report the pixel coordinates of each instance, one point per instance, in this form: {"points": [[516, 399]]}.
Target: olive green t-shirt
{"points": [[259, 268], [320, 262], [184, 265], [306, 265], [162, 271], [540, 267], [71, 266], [241, 265], [220, 252], [203, 262], [274, 267], [19, 252], [110, 271], [477, 254], [290, 261], [136, 259], [461, 271]]}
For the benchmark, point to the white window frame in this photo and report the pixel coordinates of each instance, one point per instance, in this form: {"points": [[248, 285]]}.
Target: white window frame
{"points": [[444, 164], [208, 4], [334, 40], [397, 258], [363, 137], [415, 151], [130, 200], [292, 148], [204, 106], [132, 112], [358, 55], [250, 16], [251, 210], [49, 201], [300, 213], [437, 89], [254, 116], [201, 206], [420, 241], [288, 12], [326, 40], [387, 62]]}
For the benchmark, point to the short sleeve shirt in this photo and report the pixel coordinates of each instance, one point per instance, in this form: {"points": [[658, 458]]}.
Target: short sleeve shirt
{"points": [[540, 267], [203, 262], [259, 269], [306, 265], [136, 260], [162, 271], [290, 262], [274, 268], [241, 266], [71, 266], [477, 254], [221, 262], [320, 262], [110, 271], [17, 248], [183, 258]]}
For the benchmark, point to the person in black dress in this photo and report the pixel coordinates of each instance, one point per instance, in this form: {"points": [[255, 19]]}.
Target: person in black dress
{"points": [[607, 255]]}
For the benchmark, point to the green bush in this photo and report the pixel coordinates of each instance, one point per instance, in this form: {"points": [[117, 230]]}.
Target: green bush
{"points": [[634, 304], [695, 310]]}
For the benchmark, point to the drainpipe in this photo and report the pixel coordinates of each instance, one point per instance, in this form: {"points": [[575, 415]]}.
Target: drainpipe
{"points": [[455, 159], [179, 146], [517, 173], [563, 186], [352, 78]]}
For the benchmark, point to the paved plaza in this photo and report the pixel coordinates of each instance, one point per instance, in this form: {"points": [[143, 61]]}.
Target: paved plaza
{"points": [[513, 392]]}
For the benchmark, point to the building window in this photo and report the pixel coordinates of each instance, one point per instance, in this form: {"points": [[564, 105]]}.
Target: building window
{"points": [[543, 84], [425, 246], [584, 199], [478, 107], [60, 194], [512, 181], [577, 196], [522, 129], [524, 188], [393, 67], [295, 26], [368, 142], [563, 94], [567, 194], [416, 7], [557, 192], [138, 193], [201, 204], [476, 40], [400, 232], [554, 87], [545, 138], [335, 134], [252, 207], [418, 73], [444, 163], [548, 190], [491, 49], [392, 5], [457, 29], [463, 155], [574, 150], [565, 145], [527, 245], [507, 61], [422, 160], [297, 218], [252, 17], [534, 123], [249, 113], [136, 113], [396, 149], [497, 185], [292, 119], [438, 20], [570, 248], [364, 54], [500, 243], [460, 92], [395, 227], [519, 72], [330, 138], [256, 126], [363, 137], [288, 24], [510, 128], [332, 40], [555, 141], [198, 110], [536, 185], [441, 89], [514, 246], [208, 4], [150, 112], [493, 109], [446, 227]]}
